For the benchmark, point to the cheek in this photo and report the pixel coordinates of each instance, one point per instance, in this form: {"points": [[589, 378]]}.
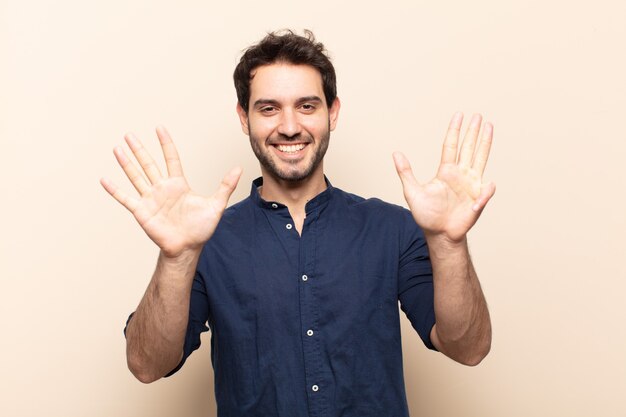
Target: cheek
{"points": [[262, 127], [316, 126]]}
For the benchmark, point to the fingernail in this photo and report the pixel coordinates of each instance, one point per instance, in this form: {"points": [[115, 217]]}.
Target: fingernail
{"points": [[458, 118], [130, 138], [121, 156]]}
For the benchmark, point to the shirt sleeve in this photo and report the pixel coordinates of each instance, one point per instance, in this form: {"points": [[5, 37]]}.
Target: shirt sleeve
{"points": [[415, 279], [197, 323]]}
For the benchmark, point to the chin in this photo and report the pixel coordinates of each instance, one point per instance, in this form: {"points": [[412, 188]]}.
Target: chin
{"points": [[290, 174]]}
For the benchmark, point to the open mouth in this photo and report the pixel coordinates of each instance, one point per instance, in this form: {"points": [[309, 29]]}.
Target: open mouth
{"points": [[291, 149]]}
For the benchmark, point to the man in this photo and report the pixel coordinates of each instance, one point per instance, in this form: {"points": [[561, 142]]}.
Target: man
{"points": [[300, 282]]}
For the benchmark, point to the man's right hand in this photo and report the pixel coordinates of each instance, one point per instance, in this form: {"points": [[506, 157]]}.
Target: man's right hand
{"points": [[175, 218]]}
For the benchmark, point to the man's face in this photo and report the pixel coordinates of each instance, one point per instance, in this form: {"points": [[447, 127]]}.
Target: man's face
{"points": [[288, 121]]}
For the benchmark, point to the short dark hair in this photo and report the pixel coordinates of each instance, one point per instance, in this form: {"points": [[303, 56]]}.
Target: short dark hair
{"points": [[285, 46]]}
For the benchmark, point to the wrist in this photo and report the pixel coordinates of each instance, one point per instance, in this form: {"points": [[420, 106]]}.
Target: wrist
{"points": [[439, 243], [180, 257], [183, 265]]}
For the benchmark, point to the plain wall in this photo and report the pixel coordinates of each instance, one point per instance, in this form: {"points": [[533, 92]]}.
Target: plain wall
{"points": [[76, 75]]}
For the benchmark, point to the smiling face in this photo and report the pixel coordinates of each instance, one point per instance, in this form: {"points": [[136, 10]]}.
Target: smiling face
{"points": [[288, 120]]}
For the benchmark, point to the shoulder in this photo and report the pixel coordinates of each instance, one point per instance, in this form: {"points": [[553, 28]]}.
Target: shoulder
{"points": [[240, 212], [374, 206], [233, 230], [235, 220], [387, 218], [240, 208]]}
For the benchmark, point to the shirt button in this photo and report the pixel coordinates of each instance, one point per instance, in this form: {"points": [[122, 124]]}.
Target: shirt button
{"points": [[309, 332], [289, 226], [315, 388], [274, 205], [304, 277]]}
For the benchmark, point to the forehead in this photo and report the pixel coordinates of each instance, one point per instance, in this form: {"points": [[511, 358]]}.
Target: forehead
{"points": [[285, 82]]}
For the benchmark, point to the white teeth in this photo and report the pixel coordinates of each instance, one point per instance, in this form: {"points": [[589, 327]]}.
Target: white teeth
{"points": [[290, 148]]}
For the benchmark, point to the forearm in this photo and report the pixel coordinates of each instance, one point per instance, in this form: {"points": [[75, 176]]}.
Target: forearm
{"points": [[156, 333], [463, 326]]}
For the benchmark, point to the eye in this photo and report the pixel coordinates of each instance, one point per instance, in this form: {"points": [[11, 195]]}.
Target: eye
{"points": [[308, 107], [268, 109]]}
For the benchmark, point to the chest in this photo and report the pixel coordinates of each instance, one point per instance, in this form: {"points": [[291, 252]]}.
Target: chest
{"points": [[341, 267]]}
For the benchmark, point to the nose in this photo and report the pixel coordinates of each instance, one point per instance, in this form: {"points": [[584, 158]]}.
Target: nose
{"points": [[289, 125]]}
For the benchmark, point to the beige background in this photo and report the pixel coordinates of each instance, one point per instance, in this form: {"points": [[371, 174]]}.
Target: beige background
{"points": [[76, 75]]}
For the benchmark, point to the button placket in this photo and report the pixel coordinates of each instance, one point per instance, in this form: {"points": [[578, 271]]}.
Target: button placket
{"points": [[313, 362]]}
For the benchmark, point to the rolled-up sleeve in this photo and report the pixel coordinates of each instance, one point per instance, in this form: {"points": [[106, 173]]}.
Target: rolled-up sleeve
{"points": [[415, 279], [197, 323]]}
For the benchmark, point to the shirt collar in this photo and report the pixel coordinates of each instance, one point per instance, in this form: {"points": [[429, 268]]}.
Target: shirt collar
{"points": [[316, 202]]}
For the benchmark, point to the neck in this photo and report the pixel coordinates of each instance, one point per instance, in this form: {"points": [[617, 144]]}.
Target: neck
{"points": [[293, 194]]}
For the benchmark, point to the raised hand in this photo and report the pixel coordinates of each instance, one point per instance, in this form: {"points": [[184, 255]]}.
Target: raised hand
{"points": [[172, 216], [450, 204]]}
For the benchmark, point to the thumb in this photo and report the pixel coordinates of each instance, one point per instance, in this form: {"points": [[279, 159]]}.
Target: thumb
{"points": [[228, 185], [488, 190], [403, 167]]}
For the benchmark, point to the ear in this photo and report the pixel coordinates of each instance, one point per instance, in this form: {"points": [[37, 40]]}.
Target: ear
{"points": [[333, 113], [243, 119]]}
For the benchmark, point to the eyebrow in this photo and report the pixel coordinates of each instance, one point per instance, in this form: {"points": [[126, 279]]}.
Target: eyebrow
{"points": [[308, 98], [266, 101]]}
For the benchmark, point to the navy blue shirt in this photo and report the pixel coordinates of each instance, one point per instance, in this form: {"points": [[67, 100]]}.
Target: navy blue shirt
{"points": [[309, 325]]}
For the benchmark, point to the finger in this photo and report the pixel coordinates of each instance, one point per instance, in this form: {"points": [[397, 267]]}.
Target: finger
{"points": [[131, 171], [403, 168], [482, 153], [450, 144], [116, 193], [469, 141], [143, 157], [487, 191], [172, 160], [228, 185]]}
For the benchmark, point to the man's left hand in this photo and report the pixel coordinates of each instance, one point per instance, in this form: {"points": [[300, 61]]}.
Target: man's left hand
{"points": [[450, 204]]}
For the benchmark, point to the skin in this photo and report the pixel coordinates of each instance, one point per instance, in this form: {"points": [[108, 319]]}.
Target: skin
{"points": [[288, 107], [446, 208], [179, 222]]}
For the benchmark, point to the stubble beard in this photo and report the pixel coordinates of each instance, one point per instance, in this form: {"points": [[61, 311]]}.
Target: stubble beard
{"points": [[291, 175]]}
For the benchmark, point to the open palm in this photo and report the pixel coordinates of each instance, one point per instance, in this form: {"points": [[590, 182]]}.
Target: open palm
{"points": [[172, 216], [450, 204]]}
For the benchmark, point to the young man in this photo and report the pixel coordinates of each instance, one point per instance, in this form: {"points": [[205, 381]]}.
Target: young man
{"points": [[300, 282]]}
